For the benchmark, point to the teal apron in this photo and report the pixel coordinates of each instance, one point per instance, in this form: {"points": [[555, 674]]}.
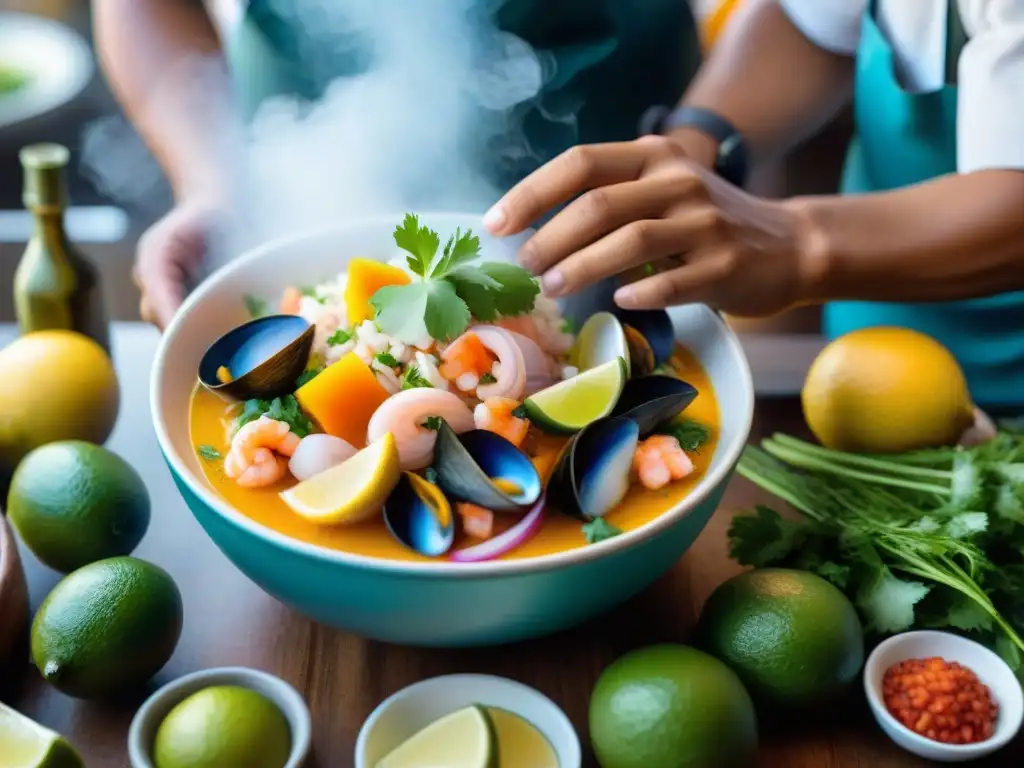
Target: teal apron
{"points": [[902, 139], [607, 60]]}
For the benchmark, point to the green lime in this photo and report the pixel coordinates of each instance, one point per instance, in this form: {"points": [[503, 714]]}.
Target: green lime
{"points": [[570, 405], [600, 340], [463, 739], [74, 503], [221, 726], [107, 627], [792, 637], [25, 743], [672, 706]]}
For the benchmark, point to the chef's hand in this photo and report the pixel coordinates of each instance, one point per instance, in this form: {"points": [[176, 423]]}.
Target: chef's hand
{"points": [[682, 233], [169, 253]]}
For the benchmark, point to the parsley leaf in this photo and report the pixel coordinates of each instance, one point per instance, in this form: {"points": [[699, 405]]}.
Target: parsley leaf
{"points": [[339, 337], [433, 423], [888, 603], [690, 434], [413, 379], [208, 452], [487, 378], [410, 312], [476, 289], [255, 306], [307, 376], [386, 358], [284, 409], [420, 242], [518, 291], [599, 529], [460, 248]]}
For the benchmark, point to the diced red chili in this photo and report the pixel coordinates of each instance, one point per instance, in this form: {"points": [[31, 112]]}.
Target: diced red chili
{"points": [[940, 700]]}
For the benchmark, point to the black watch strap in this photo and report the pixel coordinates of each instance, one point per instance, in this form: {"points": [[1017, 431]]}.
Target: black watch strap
{"points": [[731, 163]]}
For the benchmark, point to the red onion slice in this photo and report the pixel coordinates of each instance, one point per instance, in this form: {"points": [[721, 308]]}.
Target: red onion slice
{"points": [[515, 536]]}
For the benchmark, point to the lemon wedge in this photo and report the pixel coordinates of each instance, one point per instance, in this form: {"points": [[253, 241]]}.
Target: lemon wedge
{"points": [[25, 743], [349, 492], [463, 739]]}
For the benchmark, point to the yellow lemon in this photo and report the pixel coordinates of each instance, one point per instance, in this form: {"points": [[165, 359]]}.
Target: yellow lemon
{"points": [[351, 491], [886, 390], [56, 385]]}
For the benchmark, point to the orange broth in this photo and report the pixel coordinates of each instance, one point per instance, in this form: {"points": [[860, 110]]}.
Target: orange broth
{"points": [[209, 420]]}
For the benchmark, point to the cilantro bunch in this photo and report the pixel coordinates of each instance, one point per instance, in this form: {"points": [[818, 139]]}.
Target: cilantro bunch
{"points": [[450, 291], [928, 539]]}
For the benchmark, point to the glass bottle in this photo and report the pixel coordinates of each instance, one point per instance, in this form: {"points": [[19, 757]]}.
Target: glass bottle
{"points": [[55, 286]]}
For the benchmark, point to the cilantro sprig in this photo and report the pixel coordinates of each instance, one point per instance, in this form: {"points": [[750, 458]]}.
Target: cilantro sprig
{"points": [[450, 291], [284, 409]]}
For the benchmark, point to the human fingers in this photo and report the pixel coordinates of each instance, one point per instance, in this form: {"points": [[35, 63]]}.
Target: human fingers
{"points": [[595, 214], [696, 281], [574, 171], [633, 245]]}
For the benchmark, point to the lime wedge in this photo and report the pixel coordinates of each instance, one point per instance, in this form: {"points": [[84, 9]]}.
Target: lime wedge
{"points": [[351, 491], [601, 340], [570, 405], [463, 739], [25, 743]]}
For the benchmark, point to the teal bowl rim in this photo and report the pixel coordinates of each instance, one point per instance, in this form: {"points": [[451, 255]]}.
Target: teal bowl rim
{"points": [[442, 568]]}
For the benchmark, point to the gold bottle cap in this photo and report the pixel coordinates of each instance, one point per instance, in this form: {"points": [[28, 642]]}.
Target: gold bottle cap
{"points": [[44, 183]]}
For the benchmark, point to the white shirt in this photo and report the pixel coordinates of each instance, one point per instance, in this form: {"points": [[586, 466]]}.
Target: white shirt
{"points": [[990, 75]]}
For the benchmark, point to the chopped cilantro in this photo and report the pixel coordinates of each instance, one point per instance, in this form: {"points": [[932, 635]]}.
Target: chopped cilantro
{"points": [[690, 434], [519, 411], [255, 306], [451, 291], [487, 378], [568, 326], [208, 452], [599, 529], [284, 409], [433, 422], [386, 358], [307, 376], [339, 337], [413, 380]]}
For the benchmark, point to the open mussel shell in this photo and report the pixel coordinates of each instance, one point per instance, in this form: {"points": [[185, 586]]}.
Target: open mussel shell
{"points": [[652, 326], [592, 474], [652, 400], [485, 469], [419, 516], [261, 358]]}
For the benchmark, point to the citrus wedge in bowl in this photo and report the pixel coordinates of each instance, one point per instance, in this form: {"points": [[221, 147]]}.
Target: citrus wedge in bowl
{"points": [[351, 491], [25, 743], [463, 739], [570, 405]]}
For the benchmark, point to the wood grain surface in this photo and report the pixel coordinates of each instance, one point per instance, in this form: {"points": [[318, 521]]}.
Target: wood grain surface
{"points": [[229, 621]]}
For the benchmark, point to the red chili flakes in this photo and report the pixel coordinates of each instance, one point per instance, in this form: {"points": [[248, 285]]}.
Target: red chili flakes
{"points": [[941, 700]]}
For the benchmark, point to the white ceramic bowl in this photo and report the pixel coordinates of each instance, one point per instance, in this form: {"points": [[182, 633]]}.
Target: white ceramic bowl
{"points": [[156, 707], [413, 708], [990, 669]]}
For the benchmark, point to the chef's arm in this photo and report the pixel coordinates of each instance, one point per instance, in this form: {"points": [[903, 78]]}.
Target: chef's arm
{"points": [[959, 236], [164, 62], [770, 81]]}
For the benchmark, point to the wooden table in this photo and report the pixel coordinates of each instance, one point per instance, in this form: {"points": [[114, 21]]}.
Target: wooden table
{"points": [[229, 621]]}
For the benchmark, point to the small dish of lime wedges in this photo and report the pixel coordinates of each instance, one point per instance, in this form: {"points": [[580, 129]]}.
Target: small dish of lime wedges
{"points": [[468, 721]]}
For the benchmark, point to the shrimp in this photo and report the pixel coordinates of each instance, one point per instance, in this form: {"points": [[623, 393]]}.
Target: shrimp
{"points": [[659, 459], [267, 468], [521, 367], [495, 414], [405, 416], [541, 332], [465, 360], [251, 461], [290, 300]]}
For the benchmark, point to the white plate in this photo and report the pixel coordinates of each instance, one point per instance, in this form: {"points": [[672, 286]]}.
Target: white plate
{"points": [[57, 59], [990, 669]]}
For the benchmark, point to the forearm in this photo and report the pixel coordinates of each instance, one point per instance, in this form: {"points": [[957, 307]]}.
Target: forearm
{"points": [[772, 83], [956, 237], [164, 62]]}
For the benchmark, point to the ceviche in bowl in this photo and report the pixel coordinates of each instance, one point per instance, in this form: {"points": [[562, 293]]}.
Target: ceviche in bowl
{"points": [[387, 426]]}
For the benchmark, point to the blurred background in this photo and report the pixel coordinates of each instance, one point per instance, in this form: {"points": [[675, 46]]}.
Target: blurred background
{"points": [[71, 104]]}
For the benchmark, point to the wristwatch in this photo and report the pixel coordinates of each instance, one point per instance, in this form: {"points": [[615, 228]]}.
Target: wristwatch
{"points": [[731, 163]]}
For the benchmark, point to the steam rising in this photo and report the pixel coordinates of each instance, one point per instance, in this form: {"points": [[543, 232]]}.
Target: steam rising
{"points": [[436, 112]]}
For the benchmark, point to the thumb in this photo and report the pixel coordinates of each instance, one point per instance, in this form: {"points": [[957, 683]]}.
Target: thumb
{"points": [[164, 259]]}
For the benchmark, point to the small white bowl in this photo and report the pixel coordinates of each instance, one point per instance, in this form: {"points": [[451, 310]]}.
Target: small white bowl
{"points": [[412, 709], [156, 707], [990, 669]]}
